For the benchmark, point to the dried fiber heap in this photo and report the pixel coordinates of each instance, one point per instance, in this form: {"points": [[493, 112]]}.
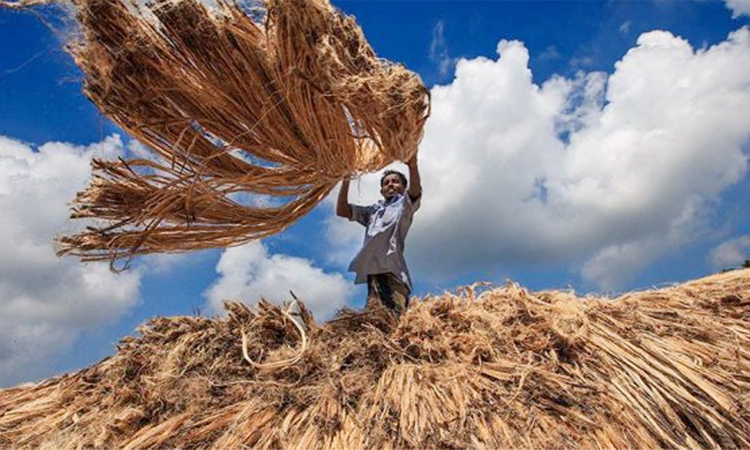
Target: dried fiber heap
{"points": [[501, 369], [253, 115]]}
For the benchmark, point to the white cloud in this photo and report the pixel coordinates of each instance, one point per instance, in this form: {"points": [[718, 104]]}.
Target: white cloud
{"points": [[439, 53], [136, 150], [550, 54], [45, 301], [625, 27], [739, 7], [616, 264], [730, 254], [593, 171], [249, 273], [165, 263]]}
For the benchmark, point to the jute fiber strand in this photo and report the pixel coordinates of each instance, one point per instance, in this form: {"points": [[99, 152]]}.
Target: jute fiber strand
{"points": [[253, 116], [504, 368]]}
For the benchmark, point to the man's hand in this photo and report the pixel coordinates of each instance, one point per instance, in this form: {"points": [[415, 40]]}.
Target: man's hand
{"points": [[412, 162]]}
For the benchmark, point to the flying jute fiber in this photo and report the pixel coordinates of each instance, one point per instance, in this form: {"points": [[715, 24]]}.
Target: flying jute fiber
{"points": [[499, 368], [253, 115]]}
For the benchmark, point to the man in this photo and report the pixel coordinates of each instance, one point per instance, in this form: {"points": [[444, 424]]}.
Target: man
{"points": [[380, 263]]}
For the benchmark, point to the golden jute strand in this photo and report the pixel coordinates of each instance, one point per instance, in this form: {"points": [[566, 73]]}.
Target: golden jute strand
{"points": [[252, 121], [501, 368]]}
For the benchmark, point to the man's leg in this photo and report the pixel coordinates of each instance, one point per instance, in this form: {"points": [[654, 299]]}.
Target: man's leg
{"points": [[387, 290], [373, 293]]}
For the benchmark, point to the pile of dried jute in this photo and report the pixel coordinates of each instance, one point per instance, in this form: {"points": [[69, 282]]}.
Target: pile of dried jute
{"points": [[253, 115], [504, 368]]}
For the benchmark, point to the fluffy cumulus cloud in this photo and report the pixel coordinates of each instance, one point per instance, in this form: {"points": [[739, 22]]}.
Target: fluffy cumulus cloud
{"points": [[739, 7], [606, 172], [730, 254], [45, 301], [249, 273]]}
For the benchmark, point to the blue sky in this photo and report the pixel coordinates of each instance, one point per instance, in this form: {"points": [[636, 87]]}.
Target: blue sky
{"points": [[598, 145]]}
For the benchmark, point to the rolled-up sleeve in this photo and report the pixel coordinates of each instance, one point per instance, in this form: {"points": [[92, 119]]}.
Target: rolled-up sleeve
{"points": [[361, 214]]}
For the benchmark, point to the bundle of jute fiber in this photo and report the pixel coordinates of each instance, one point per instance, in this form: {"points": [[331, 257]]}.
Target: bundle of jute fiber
{"points": [[504, 368], [253, 115]]}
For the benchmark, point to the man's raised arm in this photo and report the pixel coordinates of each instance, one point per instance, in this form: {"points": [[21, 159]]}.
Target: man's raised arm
{"points": [[342, 205], [415, 182]]}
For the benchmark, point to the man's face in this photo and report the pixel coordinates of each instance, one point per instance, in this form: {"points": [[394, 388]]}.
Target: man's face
{"points": [[391, 186]]}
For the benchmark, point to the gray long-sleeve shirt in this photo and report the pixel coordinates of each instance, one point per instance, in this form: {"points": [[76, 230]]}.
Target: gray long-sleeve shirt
{"points": [[387, 224]]}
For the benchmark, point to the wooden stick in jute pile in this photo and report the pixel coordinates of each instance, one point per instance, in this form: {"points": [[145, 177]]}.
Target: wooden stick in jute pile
{"points": [[504, 368], [252, 120]]}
